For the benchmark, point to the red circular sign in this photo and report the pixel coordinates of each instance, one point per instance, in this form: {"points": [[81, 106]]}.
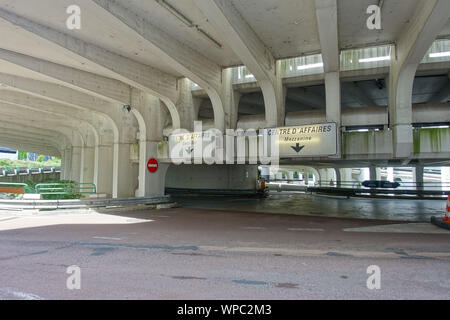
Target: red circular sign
{"points": [[152, 165]]}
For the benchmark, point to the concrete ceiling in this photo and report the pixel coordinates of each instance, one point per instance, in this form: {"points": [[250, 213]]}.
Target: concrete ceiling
{"points": [[287, 28]]}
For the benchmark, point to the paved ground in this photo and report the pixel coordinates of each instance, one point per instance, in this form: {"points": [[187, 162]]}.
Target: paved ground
{"points": [[313, 205], [189, 253]]}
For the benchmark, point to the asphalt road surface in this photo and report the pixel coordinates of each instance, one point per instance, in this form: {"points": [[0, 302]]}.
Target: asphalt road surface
{"points": [[189, 253]]}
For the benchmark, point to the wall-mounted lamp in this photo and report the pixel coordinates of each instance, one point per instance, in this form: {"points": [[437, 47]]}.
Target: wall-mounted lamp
{"points": [[126, 109]]}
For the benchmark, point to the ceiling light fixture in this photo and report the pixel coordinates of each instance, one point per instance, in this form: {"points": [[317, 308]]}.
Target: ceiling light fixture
{"points": [[126, 109], [375, 59], [440, 54], [310, 66]]}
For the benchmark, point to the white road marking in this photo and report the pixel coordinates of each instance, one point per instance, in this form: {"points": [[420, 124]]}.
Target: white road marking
{"points": [[18, 294], [306, 229], [107, 238], [422, 228]]}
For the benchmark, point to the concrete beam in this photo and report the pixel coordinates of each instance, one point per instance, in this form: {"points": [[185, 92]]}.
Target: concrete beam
{"points": [[182, 58], [100, 126], [92, 91], [428, 21], [144, 77], [253, 52], [327, 25]]}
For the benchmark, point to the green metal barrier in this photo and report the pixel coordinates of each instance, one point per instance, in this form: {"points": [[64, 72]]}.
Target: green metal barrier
{"points": [[9, 187], [69, 188]]}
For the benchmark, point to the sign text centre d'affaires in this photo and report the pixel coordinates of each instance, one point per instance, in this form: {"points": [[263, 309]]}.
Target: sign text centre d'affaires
{"points": [[316, 140]]}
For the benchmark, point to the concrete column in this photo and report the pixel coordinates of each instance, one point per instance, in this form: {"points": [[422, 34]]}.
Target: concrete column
{"points": [[67, 164], [231, 99], [290, 175], [373, 173], [88, 164], [337, 173], [104, 179], [418, 177], [364, 175], [125, 184], [333, 101], [390, 174], [151, 133], [185, 105], [346, 176], [76, 164], [306, 177]]}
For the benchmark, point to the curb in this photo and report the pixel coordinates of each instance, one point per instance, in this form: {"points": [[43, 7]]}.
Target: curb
{"points": [[438, 222]]}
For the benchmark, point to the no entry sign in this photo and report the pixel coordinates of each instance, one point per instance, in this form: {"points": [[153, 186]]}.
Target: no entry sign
{"points": [[152, 165]]}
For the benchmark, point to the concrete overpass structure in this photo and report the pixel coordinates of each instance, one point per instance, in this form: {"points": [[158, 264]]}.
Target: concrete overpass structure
{"points": [[106, 96]]}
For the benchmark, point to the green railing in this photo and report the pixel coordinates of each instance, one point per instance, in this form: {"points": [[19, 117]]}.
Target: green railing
{"points": [[69, 188]]}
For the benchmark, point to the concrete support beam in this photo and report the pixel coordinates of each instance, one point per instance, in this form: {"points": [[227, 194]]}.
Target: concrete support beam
{"points": [[418, 177], [429, 19], [144, 77], [327, 23], [253, 52], [187, 61], [150, 117]]}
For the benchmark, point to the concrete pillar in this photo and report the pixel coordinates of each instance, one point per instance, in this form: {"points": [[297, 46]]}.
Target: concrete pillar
{"points": [[89, 158], [150, 118], [290, 175], [231, 99], [364, 175], [333, 101], [337, 173], [390, 174], [104, 179], [418, 177], [125, 183], [373, 173], [185, 105], [346, 177], [76, 164], [66, 164], [305, 177]]}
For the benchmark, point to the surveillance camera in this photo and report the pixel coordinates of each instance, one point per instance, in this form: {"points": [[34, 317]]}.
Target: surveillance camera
{"points": [[126, 109]]}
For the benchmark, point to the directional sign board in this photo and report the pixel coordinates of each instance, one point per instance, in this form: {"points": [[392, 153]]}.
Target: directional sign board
{"points": [[316, 140], [380, 184]]}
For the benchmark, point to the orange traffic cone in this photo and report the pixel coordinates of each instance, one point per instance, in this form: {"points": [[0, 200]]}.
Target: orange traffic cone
{"points": [[446, 219]]}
